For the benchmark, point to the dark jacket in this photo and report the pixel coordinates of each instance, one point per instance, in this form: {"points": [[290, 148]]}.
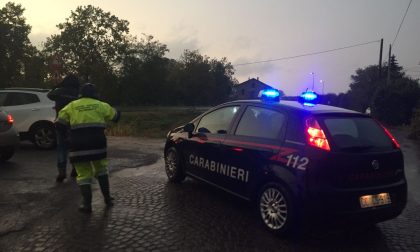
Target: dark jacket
{"points": [[65, 92]]}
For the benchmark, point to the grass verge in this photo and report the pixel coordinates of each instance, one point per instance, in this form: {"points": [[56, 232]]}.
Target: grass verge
{"points": [[153, 122]]}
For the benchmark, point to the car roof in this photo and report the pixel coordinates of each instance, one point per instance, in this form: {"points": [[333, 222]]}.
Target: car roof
{"points": [[40, 90], [41, 93], [297, 106]]}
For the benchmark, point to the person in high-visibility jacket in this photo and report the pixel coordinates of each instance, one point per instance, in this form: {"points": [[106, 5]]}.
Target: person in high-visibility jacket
{"points": [[87, 118]]}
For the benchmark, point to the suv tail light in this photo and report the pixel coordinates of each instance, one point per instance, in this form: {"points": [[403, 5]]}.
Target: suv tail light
{"points": [[316, 136], [10, 119], [394, 141]]}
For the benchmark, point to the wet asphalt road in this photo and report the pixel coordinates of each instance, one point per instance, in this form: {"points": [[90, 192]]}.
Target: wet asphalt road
{"points": [[152, 215]]}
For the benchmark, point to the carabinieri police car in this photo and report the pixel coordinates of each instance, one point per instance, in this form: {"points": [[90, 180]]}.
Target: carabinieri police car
{"points": [[293, 158]]}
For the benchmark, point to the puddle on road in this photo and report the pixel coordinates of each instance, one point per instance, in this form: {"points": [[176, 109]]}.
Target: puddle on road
{"points": [[130, 155], [130, 161], [155, 169]]}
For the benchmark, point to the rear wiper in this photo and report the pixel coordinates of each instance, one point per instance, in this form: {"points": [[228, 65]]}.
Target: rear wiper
{"points": [[357, 147]]}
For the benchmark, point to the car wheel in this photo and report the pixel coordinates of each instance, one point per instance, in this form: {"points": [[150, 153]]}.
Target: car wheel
{"points": [[173, 167], [6, 154], [276, 208], [43, 136]]}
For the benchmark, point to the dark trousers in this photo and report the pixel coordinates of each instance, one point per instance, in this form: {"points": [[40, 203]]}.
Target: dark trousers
{"points": [[62, 151]]}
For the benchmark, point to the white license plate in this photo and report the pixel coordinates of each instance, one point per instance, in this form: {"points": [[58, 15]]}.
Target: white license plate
{"points": [[374, 200]]}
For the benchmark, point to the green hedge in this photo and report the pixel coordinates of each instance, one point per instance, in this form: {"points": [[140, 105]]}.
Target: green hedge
{"points": [[415, 125]]}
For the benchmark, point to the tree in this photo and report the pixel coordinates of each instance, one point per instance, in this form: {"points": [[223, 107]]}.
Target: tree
{"points": [[394, 103], [93, 44], [16, 50], [35, 70], [395, 70], [144, 73], [391, 102], [200, 80], [366, 83], [222, 75], [363, 87]]}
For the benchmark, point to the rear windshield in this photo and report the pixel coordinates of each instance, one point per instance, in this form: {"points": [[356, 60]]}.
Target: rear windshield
{"points": [[357, 134]]}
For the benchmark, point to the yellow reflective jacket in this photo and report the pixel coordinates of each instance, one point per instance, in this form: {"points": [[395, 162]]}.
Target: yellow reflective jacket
{"points": [[87, 118]]}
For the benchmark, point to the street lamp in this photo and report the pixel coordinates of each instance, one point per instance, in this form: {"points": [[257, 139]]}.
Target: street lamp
{"points": [[322, 82], [313, 80]]}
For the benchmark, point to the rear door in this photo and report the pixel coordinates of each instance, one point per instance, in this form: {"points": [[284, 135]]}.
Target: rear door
{"points": [[23, 107], [249, 149]]}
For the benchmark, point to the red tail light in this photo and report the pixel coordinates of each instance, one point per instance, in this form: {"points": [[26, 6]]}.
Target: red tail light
{"points": [[394, 141], [10, 119], [316, 136]]}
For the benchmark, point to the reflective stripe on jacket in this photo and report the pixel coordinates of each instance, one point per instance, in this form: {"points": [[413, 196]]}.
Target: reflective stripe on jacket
{"points": [[87, 120]]}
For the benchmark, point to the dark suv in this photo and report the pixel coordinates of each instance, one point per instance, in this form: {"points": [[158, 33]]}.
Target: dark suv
{"points": [[293, 158]]}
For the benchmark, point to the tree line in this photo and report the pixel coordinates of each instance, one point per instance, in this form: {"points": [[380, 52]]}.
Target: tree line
{"points": [[98, 47], [392, 100]]}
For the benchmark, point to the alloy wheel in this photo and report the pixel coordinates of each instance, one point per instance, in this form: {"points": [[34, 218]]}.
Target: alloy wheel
{"points": [[171, 163], [273, 208]]}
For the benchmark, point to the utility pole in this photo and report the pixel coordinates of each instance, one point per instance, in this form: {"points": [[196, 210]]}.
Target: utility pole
{"points": [[380, 59], [323, 83], [389, 66], [313, 80]]}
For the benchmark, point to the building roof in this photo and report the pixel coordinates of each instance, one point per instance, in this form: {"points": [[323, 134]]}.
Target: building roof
{"points": [[255, 81]]}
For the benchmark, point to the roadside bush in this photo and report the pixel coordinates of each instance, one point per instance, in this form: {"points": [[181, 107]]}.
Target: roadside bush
{"points": [[395, 102], [415, 125]]}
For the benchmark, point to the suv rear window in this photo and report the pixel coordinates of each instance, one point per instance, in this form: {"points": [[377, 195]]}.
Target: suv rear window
{"points": [[357, 134]]}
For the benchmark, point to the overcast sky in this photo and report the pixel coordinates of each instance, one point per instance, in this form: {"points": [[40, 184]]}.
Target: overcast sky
{"points": [[246, 31]]}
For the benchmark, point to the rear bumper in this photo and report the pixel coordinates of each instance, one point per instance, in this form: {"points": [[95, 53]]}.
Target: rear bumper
{"points": [[344, 203], [9, 138]]}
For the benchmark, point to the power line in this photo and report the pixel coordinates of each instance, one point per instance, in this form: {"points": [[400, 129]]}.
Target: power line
{"points": [[402, 21], [307, 54]]}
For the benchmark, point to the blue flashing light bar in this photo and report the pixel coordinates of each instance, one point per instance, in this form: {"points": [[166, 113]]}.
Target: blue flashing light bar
{"points": [[308, 98], [269, 95], [308, 104]]}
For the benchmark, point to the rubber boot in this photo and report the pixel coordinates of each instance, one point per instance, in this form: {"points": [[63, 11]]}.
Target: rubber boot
{"points": [[61, 176], [104, 184], [86, 206]]}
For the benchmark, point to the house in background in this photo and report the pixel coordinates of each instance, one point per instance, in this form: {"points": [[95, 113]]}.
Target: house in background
{"points": [[249, 89]]}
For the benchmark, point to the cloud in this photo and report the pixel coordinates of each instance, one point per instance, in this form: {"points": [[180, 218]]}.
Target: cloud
{"points": [[180, 38], [266, 72], [37, 39], [178, 46]]}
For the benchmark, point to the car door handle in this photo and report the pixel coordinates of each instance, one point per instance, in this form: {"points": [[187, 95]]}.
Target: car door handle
{"points": [[35, 109]]}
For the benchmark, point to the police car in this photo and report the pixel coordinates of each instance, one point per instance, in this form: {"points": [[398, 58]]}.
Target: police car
{"points": [[293, 158]]}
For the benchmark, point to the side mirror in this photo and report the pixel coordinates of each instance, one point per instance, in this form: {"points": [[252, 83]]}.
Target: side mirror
{"points": [[189, 128]]}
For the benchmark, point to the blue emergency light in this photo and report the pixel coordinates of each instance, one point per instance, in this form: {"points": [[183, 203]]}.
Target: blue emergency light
{"points": [[308, 98], [269, 95]]}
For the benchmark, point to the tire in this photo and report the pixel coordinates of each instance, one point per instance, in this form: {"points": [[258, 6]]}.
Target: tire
{"points": [[6, 154], [43, 136], [276, 209], [173, 167]]}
